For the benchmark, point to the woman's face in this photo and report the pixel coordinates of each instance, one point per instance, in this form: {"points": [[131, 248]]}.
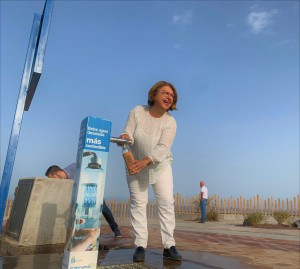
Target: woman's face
{"points": [[164, 98]]}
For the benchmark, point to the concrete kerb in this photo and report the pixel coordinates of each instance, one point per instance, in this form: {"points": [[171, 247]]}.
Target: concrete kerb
{"points": [[221, 217], [235, 218], [236, 228], [226, 228]]}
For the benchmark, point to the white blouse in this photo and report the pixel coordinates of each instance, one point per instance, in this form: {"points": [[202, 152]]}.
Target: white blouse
{"points": [[152, 137]]}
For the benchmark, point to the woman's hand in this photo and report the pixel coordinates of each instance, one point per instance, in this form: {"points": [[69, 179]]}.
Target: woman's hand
{"points": [[124, 136], [138, 165]]}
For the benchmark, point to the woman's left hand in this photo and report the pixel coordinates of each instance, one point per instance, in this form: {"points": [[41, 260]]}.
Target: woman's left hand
{"points": [[137, 165]]}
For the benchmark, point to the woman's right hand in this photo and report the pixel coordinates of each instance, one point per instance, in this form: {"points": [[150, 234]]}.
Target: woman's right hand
{"points": [[124, 136]]}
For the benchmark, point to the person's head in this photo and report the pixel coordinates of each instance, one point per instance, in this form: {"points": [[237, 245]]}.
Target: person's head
{"points": [[54, 171], [202, 184], [166, 90]]}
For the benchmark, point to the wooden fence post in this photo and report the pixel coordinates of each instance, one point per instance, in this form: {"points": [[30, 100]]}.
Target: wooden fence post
{"points": [[272, 206], [234, 207], [298, 212], [187, 205], [224, 206]]}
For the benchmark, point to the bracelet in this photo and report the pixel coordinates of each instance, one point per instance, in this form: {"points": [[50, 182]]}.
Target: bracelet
{"points": [[149, 161]]}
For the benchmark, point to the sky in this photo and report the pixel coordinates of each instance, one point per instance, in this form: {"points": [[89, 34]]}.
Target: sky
{"points": [[235, 65]]}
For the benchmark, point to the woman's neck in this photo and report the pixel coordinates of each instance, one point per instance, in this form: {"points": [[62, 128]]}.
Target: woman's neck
{"points": [[156, 112]]}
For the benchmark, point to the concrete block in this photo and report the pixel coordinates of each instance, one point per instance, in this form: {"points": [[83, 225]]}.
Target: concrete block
{"points": [[268, 220], [230, 218], [47, 213], [291, 220]]}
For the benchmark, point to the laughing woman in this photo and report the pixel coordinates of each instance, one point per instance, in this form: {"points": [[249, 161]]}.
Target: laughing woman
{"points": [[152, 130]]}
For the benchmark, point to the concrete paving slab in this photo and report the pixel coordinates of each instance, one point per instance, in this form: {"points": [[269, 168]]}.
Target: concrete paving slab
{"points": [[209, 245]]}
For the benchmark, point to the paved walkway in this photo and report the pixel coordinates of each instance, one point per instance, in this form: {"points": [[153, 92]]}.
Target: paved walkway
{"points": [[256, 247], [210, 245]]}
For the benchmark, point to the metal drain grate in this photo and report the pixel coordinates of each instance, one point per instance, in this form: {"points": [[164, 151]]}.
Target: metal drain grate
{"points": [[128, 266]]}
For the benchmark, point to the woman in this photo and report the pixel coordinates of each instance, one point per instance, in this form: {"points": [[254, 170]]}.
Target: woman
{"points": [[152, 129]]}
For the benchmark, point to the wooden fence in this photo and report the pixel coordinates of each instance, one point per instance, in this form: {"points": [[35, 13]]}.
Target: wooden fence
{"points": [[237, 206]]}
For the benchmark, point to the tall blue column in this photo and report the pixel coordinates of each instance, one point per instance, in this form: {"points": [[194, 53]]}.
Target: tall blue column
{"points": [[31, 74]]}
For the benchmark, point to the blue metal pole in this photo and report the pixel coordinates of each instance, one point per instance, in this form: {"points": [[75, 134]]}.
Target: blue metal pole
{"points": [[40, 52], [31, 75], [16, 127]]}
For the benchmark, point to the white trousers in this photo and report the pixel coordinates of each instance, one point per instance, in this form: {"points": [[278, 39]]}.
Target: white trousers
{"points": [[163, 191]]}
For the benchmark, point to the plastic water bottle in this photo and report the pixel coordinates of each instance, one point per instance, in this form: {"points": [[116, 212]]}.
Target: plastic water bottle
{"points": [[128, 156]]}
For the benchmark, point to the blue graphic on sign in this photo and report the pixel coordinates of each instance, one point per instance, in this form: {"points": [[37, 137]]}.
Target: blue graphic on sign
{"points": [[90, 195], [96, 135]]}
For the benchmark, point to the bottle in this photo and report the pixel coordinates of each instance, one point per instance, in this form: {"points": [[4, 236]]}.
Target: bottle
{"points": [[128, 156]]}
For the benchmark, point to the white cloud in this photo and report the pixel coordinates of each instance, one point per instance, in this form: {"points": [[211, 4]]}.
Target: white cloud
{"points": [[281, 43], [183, 19], [177, 46], [259, 21]]}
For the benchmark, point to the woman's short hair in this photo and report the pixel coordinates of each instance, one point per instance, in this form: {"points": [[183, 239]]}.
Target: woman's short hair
{"points": [[152, 92]]}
